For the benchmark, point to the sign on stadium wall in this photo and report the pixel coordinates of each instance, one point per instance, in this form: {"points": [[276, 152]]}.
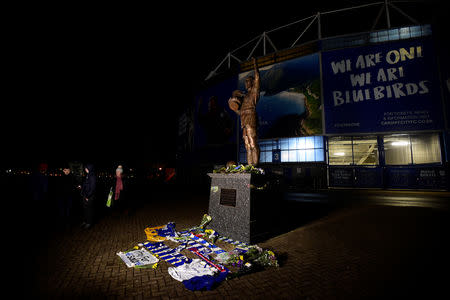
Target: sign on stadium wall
{"points": [[381, 88]]}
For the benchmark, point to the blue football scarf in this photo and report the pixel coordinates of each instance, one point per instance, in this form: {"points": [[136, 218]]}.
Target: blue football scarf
{"points": [[168, 230], [215, 249], [168, 254], [241, 245], [186, 233]]}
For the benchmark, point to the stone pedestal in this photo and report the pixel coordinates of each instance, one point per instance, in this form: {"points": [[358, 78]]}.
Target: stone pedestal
{"points": [[238, 211]]}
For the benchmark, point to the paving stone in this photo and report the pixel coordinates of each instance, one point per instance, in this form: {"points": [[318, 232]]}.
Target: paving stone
{"points": [[362, 251]]}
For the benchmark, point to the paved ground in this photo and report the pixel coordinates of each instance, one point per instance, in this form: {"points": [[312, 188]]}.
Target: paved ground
{"points": [[360, 251]]}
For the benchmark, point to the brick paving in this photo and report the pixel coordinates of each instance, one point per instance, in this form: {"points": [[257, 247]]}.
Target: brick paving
{"points": [[353, 252]]}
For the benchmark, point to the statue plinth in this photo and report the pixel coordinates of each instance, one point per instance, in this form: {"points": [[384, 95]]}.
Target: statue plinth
{"points": [[238, 210]]}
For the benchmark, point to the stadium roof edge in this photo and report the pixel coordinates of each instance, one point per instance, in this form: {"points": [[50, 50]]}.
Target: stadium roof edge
{"points": [[263, 40]]}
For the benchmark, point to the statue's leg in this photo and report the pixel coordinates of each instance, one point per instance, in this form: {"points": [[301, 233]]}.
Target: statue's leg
{"points": [[253, 144], [247, 146]]}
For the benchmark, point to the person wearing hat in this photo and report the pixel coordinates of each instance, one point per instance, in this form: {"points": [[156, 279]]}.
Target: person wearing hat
{"points": [[119, 185], [88, 190], [66, 193]]}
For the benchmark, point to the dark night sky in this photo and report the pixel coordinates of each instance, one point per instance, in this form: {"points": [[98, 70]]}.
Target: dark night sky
{"points": [[108, 82]]}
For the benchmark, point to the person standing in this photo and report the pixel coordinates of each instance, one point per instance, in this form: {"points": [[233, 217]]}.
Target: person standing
{"points": [[119, 190], [66, 194], [88, 196]]}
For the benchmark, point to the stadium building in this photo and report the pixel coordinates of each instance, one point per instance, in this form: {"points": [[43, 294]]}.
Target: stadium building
{"points": [[356, 110]]}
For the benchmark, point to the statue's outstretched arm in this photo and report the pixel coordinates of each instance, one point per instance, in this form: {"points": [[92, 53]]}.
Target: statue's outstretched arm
{"points": [[255, 66], [256, 83]]}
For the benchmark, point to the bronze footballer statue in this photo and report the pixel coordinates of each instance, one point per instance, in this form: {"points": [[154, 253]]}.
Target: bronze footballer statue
{"points": [[244, 104]]}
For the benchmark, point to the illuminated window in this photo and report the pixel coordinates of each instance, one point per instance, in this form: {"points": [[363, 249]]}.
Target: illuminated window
{"points": [[382, 36], [426, 148], [400, 33], [415, 31], [404, 33], [284, 155], [397, 150], [412, 149], [365, 150], [302, 149], [297, 149], [265, 148], [357, 150], [340, 150], [393, 35]]}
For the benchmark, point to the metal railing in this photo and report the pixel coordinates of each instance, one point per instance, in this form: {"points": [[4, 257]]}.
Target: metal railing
{"points": [[268, 45]]}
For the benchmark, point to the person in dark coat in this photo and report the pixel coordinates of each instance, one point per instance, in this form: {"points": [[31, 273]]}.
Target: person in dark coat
{"points": [[66, 194], [88, 195]]}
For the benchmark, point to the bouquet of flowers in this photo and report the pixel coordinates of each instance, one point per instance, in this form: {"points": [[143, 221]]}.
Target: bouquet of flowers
{"points": [[240, 169]]}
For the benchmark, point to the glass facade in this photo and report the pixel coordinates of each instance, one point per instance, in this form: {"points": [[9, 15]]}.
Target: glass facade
{"points": [[399, 149], [296, 149], [400, 33], [394, 34]]}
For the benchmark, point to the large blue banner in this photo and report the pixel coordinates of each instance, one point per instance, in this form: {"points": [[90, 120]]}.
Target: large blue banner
{"points": [[289, 103], [381, 88]]}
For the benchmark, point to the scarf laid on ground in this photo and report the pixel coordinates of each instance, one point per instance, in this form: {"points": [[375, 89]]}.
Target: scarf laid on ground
{"points": [[119, 187]]}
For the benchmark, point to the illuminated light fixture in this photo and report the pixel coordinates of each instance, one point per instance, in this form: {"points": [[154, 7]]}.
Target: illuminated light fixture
{"points": [[339, 154], [400, 143]]}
